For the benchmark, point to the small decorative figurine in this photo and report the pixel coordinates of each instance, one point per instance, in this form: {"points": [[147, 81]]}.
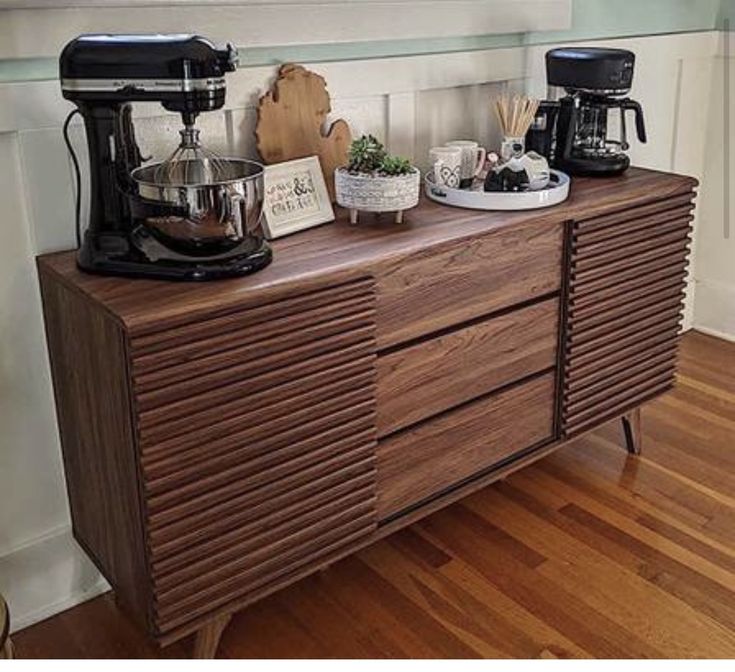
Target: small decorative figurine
{"points": [[510, 176]]}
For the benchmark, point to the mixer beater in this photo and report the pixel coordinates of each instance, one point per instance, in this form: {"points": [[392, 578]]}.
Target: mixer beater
{"points": [[191, 163]]}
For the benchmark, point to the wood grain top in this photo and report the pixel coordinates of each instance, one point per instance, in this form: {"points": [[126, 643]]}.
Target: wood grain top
{"points": [[342, 251]]}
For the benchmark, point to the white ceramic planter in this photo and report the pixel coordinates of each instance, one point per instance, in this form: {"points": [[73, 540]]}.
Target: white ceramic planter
{"points": [[377, 194]]}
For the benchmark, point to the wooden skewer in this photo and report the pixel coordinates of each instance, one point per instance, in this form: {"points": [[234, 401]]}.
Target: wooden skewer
{"points": [[515, 115], [501, 107]]}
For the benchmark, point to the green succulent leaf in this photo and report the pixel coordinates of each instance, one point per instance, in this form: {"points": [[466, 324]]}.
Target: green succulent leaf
{"points": [[395, 165], [366, 155]]}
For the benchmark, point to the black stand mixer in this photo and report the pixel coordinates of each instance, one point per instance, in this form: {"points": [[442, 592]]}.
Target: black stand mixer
{"points": [[194, 216], [573, 132]]}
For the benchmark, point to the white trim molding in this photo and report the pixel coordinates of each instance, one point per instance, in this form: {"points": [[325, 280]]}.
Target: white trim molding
{"points": [[46, 576], [714, 310], [28, 31]]}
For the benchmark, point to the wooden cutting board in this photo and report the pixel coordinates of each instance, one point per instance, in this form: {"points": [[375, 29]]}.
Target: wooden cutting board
{"points": [[291, 120]]}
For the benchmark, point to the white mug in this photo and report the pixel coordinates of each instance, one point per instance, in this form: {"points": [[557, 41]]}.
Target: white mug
{"points": [[473, 160], [446, 165]]}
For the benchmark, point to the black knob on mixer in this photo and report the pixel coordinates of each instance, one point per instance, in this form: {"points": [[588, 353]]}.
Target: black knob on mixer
{"points": [[229, 58]]}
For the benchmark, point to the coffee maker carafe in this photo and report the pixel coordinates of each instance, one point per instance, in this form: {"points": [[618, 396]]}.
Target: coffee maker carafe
{"points": [[576, 129]]}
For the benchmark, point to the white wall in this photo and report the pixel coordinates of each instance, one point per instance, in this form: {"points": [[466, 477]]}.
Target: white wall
{"points": [[42, 27], [413, 102], [40, 570], [715, 273]]}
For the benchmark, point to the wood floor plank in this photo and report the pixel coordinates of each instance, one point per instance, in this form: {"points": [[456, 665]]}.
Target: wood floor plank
{"points": [[514, 630], [477, 612], [714, 354], [544, 598], [656, 487], [645, 536], [535, 482], [647, 562], [710, 417], [338, 632], [431, 597], [406, 613], [702, 395], [721, 556], [656, 566], [698, 456], [610, 589], [587, 553], [486, 594]]}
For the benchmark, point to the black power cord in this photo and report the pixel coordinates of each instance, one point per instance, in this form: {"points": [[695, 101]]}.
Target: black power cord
{"points": [[77, 175]]}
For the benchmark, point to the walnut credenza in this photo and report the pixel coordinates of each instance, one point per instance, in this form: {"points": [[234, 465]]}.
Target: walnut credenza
{"points": [[223, 440]]}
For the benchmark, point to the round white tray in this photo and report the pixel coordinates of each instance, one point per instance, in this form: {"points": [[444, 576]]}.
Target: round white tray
{"points": [[477, 199]]}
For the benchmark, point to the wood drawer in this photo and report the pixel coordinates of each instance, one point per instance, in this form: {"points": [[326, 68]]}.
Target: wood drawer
{"points": [[424, 379], [440, 453], [436, 289]]}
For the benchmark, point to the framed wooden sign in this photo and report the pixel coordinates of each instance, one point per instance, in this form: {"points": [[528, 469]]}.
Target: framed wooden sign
{"points": [[296, 197]]}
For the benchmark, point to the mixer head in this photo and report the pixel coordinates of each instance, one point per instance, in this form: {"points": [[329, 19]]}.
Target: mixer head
{"points": [[185, 73]]}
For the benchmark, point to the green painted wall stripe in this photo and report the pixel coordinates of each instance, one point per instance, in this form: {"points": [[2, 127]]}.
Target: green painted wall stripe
{"points": [[726, 15], [591, 19]]}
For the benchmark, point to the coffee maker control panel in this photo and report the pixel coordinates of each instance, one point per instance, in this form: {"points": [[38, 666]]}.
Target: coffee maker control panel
{"points": [[593, 69]]}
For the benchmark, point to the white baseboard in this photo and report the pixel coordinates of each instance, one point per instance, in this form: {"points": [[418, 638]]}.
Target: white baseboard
{"points": [[714, 309], [45, 577], [717, 334]]}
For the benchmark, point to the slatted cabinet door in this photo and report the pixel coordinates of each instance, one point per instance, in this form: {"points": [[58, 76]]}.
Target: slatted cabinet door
{"points": [[625, 285], [257, 447]]}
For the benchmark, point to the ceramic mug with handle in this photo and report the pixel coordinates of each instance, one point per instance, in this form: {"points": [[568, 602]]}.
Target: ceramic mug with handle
{"points": [[446, 165], [473, 160]]}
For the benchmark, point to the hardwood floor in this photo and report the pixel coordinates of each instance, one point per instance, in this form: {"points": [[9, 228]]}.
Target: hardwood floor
{"points": [[588, 553]]}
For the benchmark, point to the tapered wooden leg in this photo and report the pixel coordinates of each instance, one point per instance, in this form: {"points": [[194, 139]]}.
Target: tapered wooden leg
{"points": [[7, 650], [353, 216], [399, 217], [207, 639], [632, 431]]}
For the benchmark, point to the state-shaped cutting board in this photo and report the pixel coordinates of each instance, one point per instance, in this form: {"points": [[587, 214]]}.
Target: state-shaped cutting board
{"points": [[291, 123]]}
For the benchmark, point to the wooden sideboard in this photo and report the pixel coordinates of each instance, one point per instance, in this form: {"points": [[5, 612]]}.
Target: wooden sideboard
{"points": [[223, 440]]}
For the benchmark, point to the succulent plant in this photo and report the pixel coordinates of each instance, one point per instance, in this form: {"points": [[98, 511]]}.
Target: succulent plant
{"points": [[369, 156], [366, 155], [395, 165]]}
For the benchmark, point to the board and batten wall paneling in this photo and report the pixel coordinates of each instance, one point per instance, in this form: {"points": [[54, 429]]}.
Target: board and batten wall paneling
{"points": [[458, 113], [714, 311], [29, 436], [412, 102]]}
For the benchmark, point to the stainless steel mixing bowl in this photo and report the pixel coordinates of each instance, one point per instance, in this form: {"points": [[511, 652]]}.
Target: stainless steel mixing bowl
{"points": [[206, 215]]}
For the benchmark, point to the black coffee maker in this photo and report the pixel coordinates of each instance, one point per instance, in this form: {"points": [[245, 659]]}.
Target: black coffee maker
{"points": [[573, 131]]}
